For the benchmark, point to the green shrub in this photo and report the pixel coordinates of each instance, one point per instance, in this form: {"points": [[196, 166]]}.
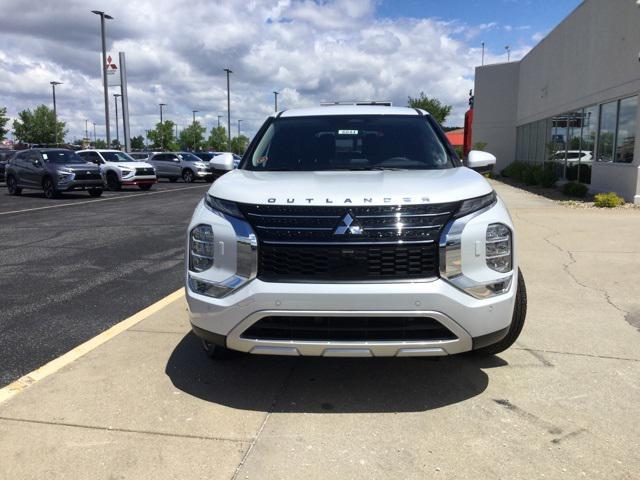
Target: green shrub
{"points": [[531, 174], [458, 150], [608, 200], [514, 170], [574, 189], [547, 177]]}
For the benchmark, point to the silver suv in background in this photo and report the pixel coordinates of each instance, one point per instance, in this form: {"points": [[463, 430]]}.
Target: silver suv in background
{"points": [[185, 165], [120, 169]]}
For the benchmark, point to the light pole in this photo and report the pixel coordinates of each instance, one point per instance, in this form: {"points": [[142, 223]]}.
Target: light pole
{"points": [[161, 131], [104, 16], [219, 117], [239, 127], [275, 100], [94, 134], [482, 54], [86, 129], [194, 128], [115, 99], [55, 114], [228, 108], [508, 49]]}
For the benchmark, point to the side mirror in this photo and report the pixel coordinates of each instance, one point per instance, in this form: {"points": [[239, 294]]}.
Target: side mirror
{"points": [[37, 163], [481, 162], [176, 160], [224, 162]]}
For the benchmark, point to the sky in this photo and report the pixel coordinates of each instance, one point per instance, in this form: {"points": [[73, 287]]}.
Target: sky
{"points": [[310, 51]]}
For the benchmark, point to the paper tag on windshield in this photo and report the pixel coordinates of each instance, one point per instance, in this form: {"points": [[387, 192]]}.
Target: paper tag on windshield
{"points": [[347, 132], [45, 156]]}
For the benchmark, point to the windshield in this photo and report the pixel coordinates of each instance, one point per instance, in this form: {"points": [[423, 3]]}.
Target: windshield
{"points": [[340, 142], [204, 156], [188, 157], [62, 156], [117, 157]]}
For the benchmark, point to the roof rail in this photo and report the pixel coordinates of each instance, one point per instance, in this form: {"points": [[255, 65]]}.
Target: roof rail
{"points": [[379, 103]]}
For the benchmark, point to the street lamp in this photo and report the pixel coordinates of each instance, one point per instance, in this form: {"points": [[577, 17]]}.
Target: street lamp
{"points": [[482, 54], [86, 129], [94, 134], [508, 49], [194, 128], [104, 16], [219, 117], [275, 99], [228, 108], [161, 130], [239, 127], [115, 98], [55, 114]]}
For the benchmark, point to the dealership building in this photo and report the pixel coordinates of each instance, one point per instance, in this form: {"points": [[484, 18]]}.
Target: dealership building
{"points": [[572, 102]]}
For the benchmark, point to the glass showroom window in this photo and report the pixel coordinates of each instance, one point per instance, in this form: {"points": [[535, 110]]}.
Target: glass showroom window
{"points": [[606, 134], [626, 133], [574, 145], [589, 132]]}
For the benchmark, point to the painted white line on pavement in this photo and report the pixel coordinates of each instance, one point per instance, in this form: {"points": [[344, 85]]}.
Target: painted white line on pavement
{"points": [[71, 356], [103, 199]]}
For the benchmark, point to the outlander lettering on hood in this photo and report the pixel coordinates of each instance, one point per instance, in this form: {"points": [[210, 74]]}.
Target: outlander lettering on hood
{"points": [[363, 200]]}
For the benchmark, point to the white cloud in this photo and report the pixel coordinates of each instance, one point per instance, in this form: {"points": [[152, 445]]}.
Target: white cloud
{"points": [[176, 51]]}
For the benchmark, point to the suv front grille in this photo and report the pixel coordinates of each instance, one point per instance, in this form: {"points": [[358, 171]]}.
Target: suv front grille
{"points": [[83, 175], [360, 243], [354, 329], [291, 263], [145, 171]]}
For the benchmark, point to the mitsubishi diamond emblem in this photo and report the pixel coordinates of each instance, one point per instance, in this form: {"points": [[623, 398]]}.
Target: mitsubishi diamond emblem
{"points": [[347, 226]]}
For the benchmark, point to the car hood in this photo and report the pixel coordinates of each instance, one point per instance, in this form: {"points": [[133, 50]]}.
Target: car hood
{"points": [[375, 187], [79, 166], [130, 164]]}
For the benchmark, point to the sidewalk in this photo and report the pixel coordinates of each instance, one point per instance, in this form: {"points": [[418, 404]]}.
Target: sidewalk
{"points": [[563, 403]]}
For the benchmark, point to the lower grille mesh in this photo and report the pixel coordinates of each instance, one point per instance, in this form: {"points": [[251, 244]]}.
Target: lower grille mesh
{"points": [[287, 263], [305, 328]]}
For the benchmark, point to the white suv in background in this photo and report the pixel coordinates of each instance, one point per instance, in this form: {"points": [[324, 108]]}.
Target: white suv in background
{"points": [[353, 231], [119, 169]]}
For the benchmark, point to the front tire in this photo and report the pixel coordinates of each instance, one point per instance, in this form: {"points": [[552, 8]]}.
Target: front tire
{"points": [[113, 183], [517, 322], [49, 189], [188, 176], [95, 192], [12, 186], [216, 352]]}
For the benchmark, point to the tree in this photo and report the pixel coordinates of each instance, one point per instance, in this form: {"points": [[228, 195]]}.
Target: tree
{"points": [[116, 144], [192, 137], [218, 139], [38, 126], [162, 136], [99, 143], [3, 122], [437, 109], [239, 144], [137, 143]]}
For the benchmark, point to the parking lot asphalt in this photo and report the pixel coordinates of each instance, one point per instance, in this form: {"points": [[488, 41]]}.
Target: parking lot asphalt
{"points": [[73, 266], [561, 403]]}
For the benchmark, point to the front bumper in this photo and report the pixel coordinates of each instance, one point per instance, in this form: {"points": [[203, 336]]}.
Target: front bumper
{"points": [[80, 185], [475, 322], [140, 181]]}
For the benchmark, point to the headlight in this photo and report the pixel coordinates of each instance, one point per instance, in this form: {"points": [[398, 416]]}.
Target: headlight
{"points": [[65, 175], [474, 204], [126, 173], [201, 248], [223, 206], [498, 248]]}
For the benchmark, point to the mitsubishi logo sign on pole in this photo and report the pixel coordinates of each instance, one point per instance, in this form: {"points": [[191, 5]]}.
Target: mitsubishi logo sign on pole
{"points": [[112, 67]]}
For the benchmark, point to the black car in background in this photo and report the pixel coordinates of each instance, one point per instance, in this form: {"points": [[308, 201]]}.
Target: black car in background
{"points": [[53, 170], [5, 156]]}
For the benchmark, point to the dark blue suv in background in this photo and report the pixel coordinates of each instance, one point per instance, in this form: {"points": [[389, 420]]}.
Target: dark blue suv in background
{"points": [[53, 170]]}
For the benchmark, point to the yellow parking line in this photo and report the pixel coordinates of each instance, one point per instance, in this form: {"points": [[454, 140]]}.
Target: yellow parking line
{"points": [[103, 199], [71, 356]]}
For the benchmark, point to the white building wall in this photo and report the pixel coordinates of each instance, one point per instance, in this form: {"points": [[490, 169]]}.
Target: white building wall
{"points": [[592, 57]]}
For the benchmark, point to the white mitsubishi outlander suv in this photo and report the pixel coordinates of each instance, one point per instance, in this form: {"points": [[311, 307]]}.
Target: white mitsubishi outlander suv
{"points": [[353, 231]]}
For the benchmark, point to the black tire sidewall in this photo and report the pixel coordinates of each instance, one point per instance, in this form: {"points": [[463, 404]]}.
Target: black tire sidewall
{"points": [[188, 176]]}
